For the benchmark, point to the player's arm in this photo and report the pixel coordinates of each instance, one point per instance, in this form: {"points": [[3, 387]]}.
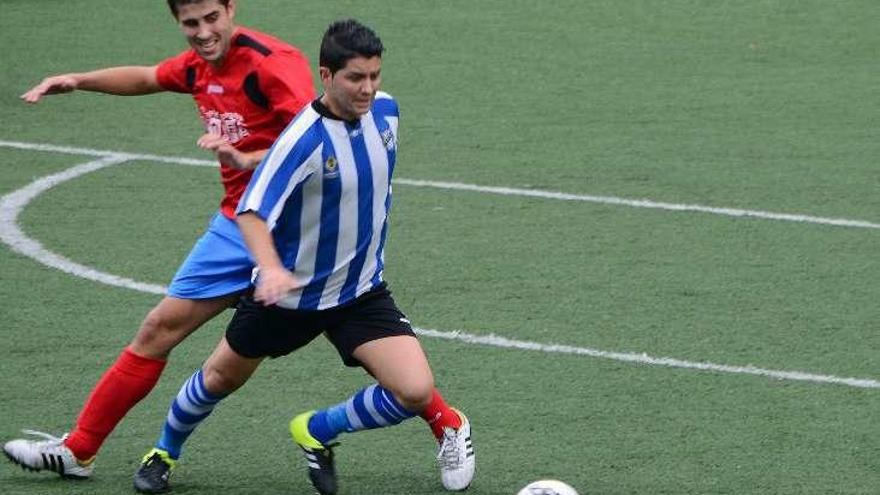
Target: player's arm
{"points": [[275, 280], [226, 153], [294, 158], [125, 81]]}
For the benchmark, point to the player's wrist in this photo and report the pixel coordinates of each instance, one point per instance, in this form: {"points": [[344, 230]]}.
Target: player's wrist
{"points": [[255, 157]]}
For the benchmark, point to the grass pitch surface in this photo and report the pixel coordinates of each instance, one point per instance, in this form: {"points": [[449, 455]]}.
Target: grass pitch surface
{"points": [[767, 106]]}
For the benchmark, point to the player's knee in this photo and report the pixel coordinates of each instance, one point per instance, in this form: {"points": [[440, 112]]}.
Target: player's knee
{"points": [[153, 325], [219, 381], [152, 337], [158, 334], [415, 395]]}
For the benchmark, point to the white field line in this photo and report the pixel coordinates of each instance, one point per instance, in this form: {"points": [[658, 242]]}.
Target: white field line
{"points": [[13, 203], [506, 191], [645, 359], [642, 203]]}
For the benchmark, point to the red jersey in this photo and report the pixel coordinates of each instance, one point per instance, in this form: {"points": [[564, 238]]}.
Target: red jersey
{"points": [[249, 100]]}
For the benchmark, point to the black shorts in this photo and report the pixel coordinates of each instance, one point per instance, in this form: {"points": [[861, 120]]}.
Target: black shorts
{"points": [[259, 331]]}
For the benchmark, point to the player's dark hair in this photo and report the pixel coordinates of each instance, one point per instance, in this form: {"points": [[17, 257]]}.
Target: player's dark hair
{"points": [[175, 4], [345, 40]]}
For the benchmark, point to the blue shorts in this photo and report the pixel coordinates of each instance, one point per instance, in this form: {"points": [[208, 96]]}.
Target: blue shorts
{"points": [[218, 265]]}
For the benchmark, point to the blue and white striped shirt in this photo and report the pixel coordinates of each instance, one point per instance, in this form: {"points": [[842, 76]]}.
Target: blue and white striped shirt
{"points": [[324, 190]]}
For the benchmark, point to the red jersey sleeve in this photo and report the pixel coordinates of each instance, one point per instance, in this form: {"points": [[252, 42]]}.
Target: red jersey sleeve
{"points": [[286, 80], [172, 73]]}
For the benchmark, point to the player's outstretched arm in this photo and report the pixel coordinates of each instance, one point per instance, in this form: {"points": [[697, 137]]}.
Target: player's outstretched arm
{"points": [[226, 153], [125, 81], [274, 281]]}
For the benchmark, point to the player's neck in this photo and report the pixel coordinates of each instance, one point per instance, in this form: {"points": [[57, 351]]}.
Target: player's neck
{"points": [[327, 107]]}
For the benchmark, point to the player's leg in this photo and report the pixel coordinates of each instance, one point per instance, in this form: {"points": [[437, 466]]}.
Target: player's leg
{"points": [[436, 412], [223, 373], [173, 320], [379, 405], [125, 383], [217, 268], [399, 364], [253, 333], [439, 416], [374, 334], [138, 368]]}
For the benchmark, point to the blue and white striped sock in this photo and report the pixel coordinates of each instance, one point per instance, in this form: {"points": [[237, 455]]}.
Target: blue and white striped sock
{"points": [[191, 406], [372, 407]]}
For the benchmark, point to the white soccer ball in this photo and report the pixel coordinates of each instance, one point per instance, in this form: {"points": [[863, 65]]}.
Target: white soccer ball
{"points": [[547, 487]]}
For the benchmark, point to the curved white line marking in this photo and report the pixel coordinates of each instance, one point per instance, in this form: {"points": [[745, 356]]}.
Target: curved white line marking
{"points": [[13, 203], [507, 191]]}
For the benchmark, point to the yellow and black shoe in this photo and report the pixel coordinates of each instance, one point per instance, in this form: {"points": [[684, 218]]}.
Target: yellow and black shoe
{"points": [[319, 457], [155, 472]]}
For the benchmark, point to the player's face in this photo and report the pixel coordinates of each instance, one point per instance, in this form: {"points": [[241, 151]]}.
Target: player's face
{"points": [[208, 26], [351, 89]]}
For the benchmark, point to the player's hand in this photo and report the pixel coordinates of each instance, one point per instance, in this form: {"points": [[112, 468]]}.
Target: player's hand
{"points": [[225, 152], [273, 284], [50, 86]]}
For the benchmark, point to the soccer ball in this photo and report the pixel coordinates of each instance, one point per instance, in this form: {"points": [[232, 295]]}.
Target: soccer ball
{"points": [[547, 487]]}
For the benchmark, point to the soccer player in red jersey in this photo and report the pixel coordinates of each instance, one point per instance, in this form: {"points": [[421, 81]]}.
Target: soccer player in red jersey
{"points": [[247, 86]]}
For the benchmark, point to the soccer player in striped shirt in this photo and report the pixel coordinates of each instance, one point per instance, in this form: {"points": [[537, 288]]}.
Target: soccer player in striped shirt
{"points": [[315, 218]]}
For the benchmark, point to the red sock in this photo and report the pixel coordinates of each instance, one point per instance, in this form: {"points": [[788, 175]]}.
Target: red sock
{"points": [[123, 385], [439, 415]]}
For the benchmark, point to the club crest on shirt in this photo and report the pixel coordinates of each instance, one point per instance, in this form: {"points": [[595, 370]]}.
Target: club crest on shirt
{"points": [[388, 140], [331, 167], [230, 125]]}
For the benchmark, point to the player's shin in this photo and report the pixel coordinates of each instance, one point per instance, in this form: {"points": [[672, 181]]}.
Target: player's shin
{"points": [[193, 404], [372, 407], [121, 387]]}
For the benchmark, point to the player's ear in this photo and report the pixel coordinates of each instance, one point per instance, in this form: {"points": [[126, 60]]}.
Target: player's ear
{"points": [[230, 9], [326, 75]]}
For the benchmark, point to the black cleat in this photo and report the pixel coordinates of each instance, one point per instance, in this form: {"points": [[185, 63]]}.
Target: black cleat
{"points": [[319, 457], [154, 473], [322, 471]]}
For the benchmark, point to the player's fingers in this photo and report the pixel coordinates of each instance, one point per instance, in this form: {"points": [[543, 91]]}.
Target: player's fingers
{"points": [[211, 141], [48, 87], [270, 298], [266, 294], [207, 144], [260, 294], [32, 96]]}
